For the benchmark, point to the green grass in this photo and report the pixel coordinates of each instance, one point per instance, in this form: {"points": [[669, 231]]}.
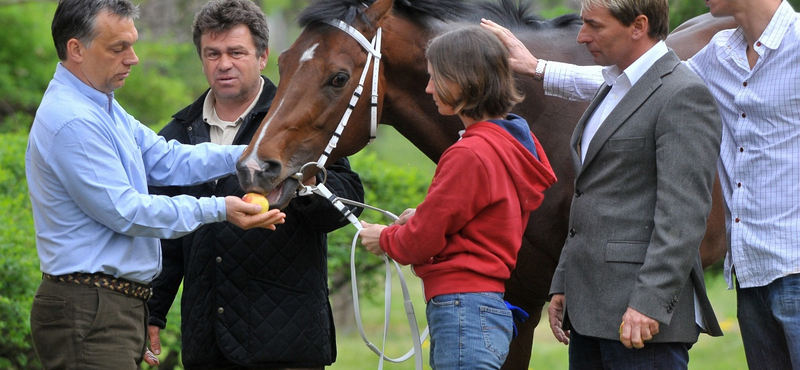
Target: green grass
{"points": [[707, 354]]}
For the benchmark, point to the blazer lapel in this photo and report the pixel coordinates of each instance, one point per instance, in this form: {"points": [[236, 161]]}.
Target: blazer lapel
{"points": [[575, 141], [638, 95]]}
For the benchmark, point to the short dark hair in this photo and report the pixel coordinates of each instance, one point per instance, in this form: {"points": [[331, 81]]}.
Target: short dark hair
{"points": [[626, 11], [218, 16], [475, 60], [76, 19]]}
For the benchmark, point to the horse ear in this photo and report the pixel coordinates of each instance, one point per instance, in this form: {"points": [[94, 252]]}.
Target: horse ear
{"points": [[378, 9]]}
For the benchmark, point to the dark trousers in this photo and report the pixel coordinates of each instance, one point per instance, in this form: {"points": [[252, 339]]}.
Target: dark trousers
{"points": [[82, 327], [589, 353], [769, 318]]}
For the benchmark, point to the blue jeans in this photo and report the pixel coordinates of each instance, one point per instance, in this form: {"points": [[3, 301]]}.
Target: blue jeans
{"points": [[469, 331], [769, 318], [589, 353]]}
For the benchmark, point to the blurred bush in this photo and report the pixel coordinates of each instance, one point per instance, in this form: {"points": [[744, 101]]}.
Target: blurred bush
{"points": [[20, 274], [27, 62], [386, 186]]}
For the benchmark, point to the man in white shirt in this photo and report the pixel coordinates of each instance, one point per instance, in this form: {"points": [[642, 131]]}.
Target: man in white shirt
{"points": [[752, 72]]}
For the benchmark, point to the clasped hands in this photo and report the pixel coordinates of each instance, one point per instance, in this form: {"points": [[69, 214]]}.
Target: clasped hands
{"points": [[635, 328], [371, 233]]}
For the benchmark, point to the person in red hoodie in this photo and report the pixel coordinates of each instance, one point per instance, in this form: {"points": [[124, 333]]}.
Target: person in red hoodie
{"points": [[462, 241]]}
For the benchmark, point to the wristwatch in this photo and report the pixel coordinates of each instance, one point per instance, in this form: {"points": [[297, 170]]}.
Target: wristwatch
{"points": [[538, 74]]}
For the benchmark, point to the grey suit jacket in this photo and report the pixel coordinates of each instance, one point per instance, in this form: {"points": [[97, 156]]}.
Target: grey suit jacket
{"points": [[639, 211]]}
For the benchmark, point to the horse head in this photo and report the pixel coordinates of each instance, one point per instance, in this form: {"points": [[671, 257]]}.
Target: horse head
{"points": [[319, 76]]}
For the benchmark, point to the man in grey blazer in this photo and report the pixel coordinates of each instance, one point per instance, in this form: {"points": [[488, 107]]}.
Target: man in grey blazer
{"points": [[629, 291]]}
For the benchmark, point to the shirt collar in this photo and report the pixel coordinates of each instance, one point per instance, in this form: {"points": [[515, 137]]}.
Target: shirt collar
{"points": [[637, 69], [783, 18], [772, 36], [209, 115], [68, 78]]}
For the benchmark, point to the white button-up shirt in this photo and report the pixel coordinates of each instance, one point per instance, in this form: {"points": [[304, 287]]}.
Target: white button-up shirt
{"points": [[760, 155], [220, 131]]}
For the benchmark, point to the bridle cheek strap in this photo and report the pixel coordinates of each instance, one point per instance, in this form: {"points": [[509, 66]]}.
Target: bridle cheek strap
{"points": [[373, 52]]}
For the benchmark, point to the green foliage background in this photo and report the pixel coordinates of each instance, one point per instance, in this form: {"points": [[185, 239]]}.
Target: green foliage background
{"points": [[19, 274], [27, 61]]}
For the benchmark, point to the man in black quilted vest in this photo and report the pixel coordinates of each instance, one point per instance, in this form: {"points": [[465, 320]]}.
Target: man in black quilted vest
{"points": [[252, 299]]}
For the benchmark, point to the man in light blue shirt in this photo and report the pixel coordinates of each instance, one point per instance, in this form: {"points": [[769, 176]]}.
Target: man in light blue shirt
{"points": [[88, 166]]}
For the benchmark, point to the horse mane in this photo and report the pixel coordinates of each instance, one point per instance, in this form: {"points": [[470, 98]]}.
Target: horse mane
{"points": [[324, 10], [509, 13], [443, 10], [515, 14]]}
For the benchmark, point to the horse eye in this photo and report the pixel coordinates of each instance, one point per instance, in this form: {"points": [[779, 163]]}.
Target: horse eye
{"points": [[339, 80]]}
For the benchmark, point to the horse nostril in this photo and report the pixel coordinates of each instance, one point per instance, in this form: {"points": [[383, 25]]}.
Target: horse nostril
{"points": [[254, 173], [271, 168]]}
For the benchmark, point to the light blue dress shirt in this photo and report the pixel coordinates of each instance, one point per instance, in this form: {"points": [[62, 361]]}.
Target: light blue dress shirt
{"points": [[88, 165]]}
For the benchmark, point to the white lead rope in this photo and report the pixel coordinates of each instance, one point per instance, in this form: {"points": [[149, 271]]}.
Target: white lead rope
{"points": [[408, 305], [373, 50]]}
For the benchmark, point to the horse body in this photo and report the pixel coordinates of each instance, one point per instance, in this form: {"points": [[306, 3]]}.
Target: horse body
{"points": [[320, 71]]}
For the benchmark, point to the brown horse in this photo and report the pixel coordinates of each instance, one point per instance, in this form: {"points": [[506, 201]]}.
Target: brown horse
{"points": [[320, 71]]}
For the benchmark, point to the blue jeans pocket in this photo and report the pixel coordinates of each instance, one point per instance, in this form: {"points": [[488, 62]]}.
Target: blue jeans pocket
{"points": [[496, 327]]}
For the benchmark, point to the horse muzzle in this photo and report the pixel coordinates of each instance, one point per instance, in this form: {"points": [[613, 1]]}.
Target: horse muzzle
{"points": [[266, 177]]}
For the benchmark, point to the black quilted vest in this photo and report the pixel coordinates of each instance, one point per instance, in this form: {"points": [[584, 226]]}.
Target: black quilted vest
{"points": [[255, 298]]}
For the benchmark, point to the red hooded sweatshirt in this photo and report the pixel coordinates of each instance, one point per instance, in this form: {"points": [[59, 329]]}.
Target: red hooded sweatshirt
{"points": [[465, 235]]}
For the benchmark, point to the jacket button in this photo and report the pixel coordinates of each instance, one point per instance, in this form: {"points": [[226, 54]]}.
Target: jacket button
{"points": [[218, 259], [572, 232], [220, 310], [578, 193]]}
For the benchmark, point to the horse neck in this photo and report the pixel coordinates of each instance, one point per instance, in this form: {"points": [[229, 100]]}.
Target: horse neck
{"points": [[407, 107]]}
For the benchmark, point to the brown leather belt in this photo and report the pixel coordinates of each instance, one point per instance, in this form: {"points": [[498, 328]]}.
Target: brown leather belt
{"points": [[128, 288]]}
